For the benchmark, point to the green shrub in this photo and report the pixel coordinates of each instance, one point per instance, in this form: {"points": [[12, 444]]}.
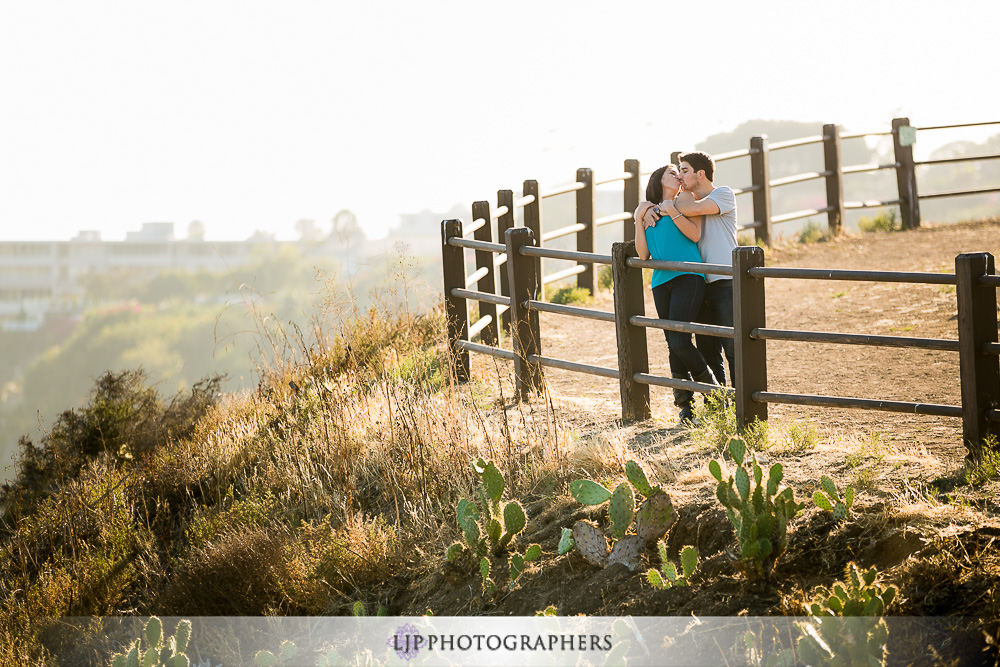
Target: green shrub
{"points": [[988, 465], [813, 232], [125, 419], [802, 437], [605, 278], [567, 295], [716, 424], [886, 221]]}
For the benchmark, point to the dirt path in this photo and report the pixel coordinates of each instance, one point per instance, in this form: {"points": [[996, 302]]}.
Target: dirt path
{"points": [[927, 311]]}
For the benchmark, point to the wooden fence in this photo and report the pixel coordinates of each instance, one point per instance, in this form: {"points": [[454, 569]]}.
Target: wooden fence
{"points": [[515, 306]]}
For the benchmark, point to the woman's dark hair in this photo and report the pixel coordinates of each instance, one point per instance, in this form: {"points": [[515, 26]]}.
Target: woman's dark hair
{"points": [[654, 189]]}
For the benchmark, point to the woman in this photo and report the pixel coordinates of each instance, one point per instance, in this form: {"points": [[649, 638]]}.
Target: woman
{"points": [[677, 294]]}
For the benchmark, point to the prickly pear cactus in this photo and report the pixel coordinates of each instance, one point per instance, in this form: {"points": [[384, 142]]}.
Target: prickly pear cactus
{"points": [[492, 480], [637, 478], [670, 576], [514, 521], [517, 561], [468, 520], [829, 499], [628, 552], [493, 526], [591, 543], [654, 517], [759, 512], [652, 521], [160, 651], [566, 542], [845, 624], [588, 492], [621, 510]]}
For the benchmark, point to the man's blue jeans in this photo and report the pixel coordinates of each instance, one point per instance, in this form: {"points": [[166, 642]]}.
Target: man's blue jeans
{"points": [[717, 308]]}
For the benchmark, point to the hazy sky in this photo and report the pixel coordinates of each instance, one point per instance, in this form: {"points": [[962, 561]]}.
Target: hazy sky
{"points": [[251, 115]]}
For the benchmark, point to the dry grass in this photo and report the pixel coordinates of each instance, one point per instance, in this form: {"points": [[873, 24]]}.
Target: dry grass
{"points": [[336, 481]]}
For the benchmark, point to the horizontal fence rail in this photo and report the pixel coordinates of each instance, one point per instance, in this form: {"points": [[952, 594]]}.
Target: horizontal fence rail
{"points": [[847, 274], [508, 283], [859, 403], [855, 339]]}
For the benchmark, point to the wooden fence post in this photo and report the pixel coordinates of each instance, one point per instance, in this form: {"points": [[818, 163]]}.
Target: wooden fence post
{"points": [[521, 271], [906, 174], [505, 198], [834, 179], [456, 309], [751, 354], [585, 237], [533, 221], [484, 259], [760, 176], [980, 371], [633, 355], [631, 198]]}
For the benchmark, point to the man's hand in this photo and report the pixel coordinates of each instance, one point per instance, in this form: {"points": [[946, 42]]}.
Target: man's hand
{"points": [[650, 217]]}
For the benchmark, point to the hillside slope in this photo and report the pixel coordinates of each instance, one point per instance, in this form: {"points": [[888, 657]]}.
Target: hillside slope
{"points": [[338, 481]]}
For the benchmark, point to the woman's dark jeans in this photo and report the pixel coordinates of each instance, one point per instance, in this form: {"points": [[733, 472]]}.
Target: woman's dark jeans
{"points": [[680, 299]]}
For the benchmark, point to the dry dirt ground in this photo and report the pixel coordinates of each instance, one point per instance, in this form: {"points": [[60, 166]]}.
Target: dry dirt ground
{"points": [[924, 311], [931, 534]]}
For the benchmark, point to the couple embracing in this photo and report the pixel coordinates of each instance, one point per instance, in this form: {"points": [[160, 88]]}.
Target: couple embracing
{"points": [[686, 218]]}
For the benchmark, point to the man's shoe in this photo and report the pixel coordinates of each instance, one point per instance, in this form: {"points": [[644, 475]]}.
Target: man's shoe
{"points": [[686, 417]]}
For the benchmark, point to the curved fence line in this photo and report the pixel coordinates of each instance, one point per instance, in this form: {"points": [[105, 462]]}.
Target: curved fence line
{"points": [[977, 345], [492, 283]]}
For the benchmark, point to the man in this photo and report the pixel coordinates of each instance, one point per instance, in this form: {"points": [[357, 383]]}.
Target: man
{"points": [[718, 238]]}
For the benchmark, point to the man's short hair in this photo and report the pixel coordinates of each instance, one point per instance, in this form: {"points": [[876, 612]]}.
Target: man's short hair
{"points": [[701, 161]]}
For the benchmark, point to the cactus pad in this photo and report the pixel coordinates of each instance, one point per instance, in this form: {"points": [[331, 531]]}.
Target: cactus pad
{"points": [[829, 486], [566, 541], [822, 501], [514, 519], [493, 481], [628, 551], [743, 483], [516, 567], [654, 517], [494, 530], [840, 511], [467, 514], [590, 542], [637, 478], [738, 450], [183, 635], [588, 492], [621, 510], [455, 551], [689, 561]]}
